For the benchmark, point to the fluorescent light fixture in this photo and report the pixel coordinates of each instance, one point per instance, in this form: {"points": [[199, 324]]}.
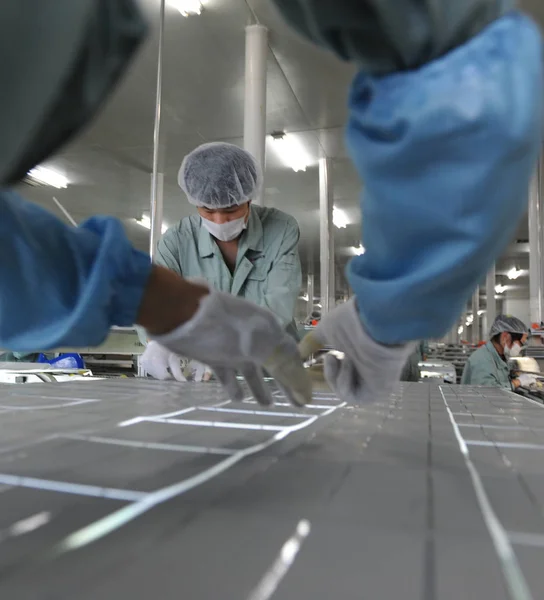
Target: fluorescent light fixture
{"points": [[514, 273], [500, 289], [187, 7], [339, 218], [145, 221], [359, 250], [47, 176], [291, 151]]}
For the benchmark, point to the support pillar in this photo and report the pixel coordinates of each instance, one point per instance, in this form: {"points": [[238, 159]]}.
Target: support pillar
{"points": [[310, 292], [326, 236], [475, 316], [536, 247], [491, 307], [156, 208], [255, 96]]}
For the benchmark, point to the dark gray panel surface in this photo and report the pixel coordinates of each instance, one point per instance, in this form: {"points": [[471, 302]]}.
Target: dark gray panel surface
{"points": [[389, 496]]}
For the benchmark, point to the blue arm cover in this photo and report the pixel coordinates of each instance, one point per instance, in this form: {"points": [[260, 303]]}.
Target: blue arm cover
{"points": [[446, 154], [64, 286]]}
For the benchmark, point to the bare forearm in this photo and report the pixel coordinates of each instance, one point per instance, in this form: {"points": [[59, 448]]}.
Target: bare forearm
{"points": [[169, 301]]}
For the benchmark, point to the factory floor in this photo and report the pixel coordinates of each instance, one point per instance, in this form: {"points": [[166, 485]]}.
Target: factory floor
{"points": [[137, 489]]}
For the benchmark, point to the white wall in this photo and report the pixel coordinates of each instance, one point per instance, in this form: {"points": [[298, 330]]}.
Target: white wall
{"points": [[519, 309]]}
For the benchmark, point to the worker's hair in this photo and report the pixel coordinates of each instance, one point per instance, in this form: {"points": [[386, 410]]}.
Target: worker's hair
{"points": [[496, 338], [516, 337]]}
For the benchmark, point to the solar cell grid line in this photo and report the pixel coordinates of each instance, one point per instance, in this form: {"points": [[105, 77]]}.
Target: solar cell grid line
{"points": [[513, 575], [121, 517], [76, 489], [219, 424], [257, 413], [148, 445], [76, 402]]}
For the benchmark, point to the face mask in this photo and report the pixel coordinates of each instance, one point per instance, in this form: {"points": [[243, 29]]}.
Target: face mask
{"points": [[512, 352], [225, 232]]}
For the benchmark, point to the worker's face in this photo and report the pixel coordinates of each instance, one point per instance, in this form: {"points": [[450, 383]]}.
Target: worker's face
{"points": [[224, 215], [512, 343]]}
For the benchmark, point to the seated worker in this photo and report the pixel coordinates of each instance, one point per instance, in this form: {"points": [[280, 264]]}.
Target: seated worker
{"points": [[245, 250], [488, 365]]}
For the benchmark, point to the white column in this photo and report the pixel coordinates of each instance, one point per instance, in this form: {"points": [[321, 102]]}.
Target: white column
{"points": [[476, 321], [156, 208], [326, 236], [491, 307], [255, 96], [536, 247], [310, 292]]}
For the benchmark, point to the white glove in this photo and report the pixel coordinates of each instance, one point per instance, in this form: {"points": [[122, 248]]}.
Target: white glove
{"points": [[233, 335], [526, 380], [161, 363], [199, 371], [369, 370]]}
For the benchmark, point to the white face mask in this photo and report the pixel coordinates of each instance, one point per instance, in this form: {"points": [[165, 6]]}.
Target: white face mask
{"points": [[225, 232], [512, 352]]}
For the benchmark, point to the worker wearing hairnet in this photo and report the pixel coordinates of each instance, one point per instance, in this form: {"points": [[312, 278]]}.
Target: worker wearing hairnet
{"points": [[445, 127], [59, 62], [245, 250], [488, 365]]}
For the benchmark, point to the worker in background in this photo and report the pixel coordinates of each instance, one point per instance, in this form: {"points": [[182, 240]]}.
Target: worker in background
{"points": [[67, 286], [488, 365], [445, 151], [236, 247], [411, 370]]}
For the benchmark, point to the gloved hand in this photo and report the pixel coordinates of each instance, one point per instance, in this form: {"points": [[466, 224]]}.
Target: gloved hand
{"points": [[526, 380], [231, 336], [369, 370], [161, 363], [200, 372]]}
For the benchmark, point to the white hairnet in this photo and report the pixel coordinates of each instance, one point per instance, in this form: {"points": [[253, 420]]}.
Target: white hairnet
{"points": [[508, 324], [219, 175]]}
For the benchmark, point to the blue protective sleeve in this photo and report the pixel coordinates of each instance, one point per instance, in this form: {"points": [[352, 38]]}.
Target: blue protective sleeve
{"points": [[60, 285], [446, 154]]}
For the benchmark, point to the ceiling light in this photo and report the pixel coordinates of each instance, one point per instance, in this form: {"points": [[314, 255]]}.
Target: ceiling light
{"points": [[145, 221], [339, 218], [291, 151], [359, 250], [500, 289], [46, 176], [304, 297], [187, 7], [481, 312], [470, 320], [460, 330], [514, 273]]}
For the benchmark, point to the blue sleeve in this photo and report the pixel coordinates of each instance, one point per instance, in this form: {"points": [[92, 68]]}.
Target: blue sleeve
{"points": [[64, 286], [446, 154], [285, 278]]}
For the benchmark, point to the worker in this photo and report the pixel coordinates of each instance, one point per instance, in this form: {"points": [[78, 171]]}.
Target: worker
{"points": [[411, 370], [445, 128], [488, 365], [246, 250], [67, 286]]}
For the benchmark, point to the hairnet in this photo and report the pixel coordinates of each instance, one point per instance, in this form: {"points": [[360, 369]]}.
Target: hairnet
{"points": [[508, 324], [219, 175]]}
